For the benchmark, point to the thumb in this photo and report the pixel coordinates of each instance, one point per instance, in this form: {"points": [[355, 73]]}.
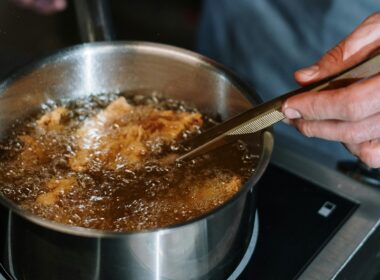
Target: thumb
{"points": [[360, 44]]}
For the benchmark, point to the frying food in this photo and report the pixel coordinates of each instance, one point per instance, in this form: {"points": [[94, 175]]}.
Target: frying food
{"points": [[117, 135], [108, 163], [56, 187]]}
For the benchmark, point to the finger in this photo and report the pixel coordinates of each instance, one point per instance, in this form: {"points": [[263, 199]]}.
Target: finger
{"points": [[363, 41], [49, 6], [342, 131], [368, 152], [352, 103], [43, 6], [60, 4]]}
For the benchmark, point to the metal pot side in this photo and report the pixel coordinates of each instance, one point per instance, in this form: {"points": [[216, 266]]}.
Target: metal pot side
{"points": [[208, 247]]}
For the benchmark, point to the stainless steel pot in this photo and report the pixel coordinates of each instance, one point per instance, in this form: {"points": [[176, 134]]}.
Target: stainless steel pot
{"points": [[206, 248]]}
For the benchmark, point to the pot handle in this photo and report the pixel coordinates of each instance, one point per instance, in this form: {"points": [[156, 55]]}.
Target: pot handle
{"points": [[94, 21]]}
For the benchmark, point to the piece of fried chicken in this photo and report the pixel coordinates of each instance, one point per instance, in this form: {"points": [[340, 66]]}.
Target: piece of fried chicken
{"points": [[118, 136]]}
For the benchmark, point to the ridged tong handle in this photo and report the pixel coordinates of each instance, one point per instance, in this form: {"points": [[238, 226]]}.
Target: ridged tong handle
{"points": [[268, 113]]}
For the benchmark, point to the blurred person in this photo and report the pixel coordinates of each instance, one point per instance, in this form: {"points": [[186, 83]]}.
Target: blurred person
{"points": [[264, 41]]}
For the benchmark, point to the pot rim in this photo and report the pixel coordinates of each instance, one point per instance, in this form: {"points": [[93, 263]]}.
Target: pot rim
{"points": [[267, 135]]}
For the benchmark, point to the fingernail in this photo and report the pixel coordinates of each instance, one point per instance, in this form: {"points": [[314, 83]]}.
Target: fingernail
{"points": [[309, 72], [291, 113]]}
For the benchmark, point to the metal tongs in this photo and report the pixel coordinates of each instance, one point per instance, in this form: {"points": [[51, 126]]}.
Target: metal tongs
{"points": [[269, 113]]}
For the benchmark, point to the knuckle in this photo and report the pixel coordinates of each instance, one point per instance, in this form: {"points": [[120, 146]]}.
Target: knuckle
{"points": [[349, 136], [315, 108], [312, 110], [370, 155], [335, 55], [351, 110], [305, 129], [375, 17], [355, 134]]}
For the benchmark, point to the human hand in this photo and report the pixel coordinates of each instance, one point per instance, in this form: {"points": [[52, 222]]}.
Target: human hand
{"points": [[350, 114], [43, 6]]}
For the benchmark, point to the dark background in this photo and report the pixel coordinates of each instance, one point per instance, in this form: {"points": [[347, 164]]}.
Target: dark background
{"points": [[25, 35]]}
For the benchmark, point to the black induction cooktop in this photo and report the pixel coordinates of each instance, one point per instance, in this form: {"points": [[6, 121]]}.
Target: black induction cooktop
{"points": [[296, 219]]}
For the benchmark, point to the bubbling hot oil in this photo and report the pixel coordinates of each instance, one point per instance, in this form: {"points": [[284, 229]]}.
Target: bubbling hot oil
{"points": [[151, 196]]}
